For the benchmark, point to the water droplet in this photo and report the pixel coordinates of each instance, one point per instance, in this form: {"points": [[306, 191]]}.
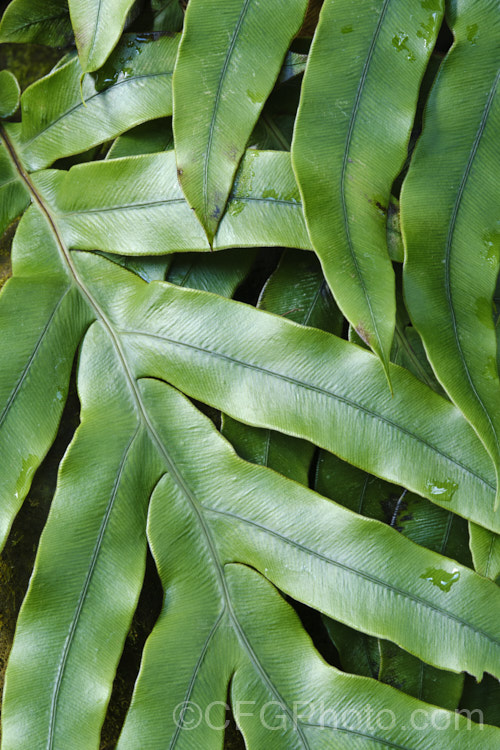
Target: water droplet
{"points": [[490, 369], [270, 193], [491, 248], [443, 579], [118, 68], [399, 43], [103, 81], [235, 207], [428, 30], [255, 98], [472, 34], [442, 491]]}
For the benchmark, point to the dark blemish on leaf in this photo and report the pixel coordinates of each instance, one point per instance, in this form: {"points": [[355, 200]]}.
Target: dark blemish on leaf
{"points": [[180, 172], [381, 207], [472, 34], [363, 333], [215, 213]]}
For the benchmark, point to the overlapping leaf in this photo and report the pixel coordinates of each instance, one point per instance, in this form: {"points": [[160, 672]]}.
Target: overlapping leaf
{"points": [[485, 548], [98, 25], [243, 529], [299, 286], [225, 511], [243, 513], [298, 291], [148, 214], [229, 60], [59, 119], [452, 256], [37, 22], [350, 143]]}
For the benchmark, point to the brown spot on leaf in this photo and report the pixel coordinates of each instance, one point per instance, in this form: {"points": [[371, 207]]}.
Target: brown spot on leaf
{"points": [[363, 333]]}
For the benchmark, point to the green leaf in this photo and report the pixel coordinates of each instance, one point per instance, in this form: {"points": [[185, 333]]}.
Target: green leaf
{"points": [[9, 93], [37, 22], [58, 119], [394, 238], [148, 138], [168, 15], [149, 268], [298, 291], [98, 25], [34, 377], [415, 437], [272, 132], [481, 700], [350, 143], [411, 675], [452, 256], [149, 213], [106, 501], [485, 548], [295, 64], [14, 196], [243, 513], [287, 455], [221, 273], [420, 521], [359, 653], [272, 707], [264, 208], [231, 540], [238, 509], [229, 60]]}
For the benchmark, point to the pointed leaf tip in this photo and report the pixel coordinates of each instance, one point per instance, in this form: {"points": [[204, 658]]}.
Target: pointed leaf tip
{"points": [[98, 25]]}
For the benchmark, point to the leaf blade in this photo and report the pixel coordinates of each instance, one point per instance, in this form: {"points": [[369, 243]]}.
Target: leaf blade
{"points": [[37, 22], [41, 323], [58, 122], [451, 268], [149, 214], [97, 26], [227, 65], [341, 130], [188, 355]]}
